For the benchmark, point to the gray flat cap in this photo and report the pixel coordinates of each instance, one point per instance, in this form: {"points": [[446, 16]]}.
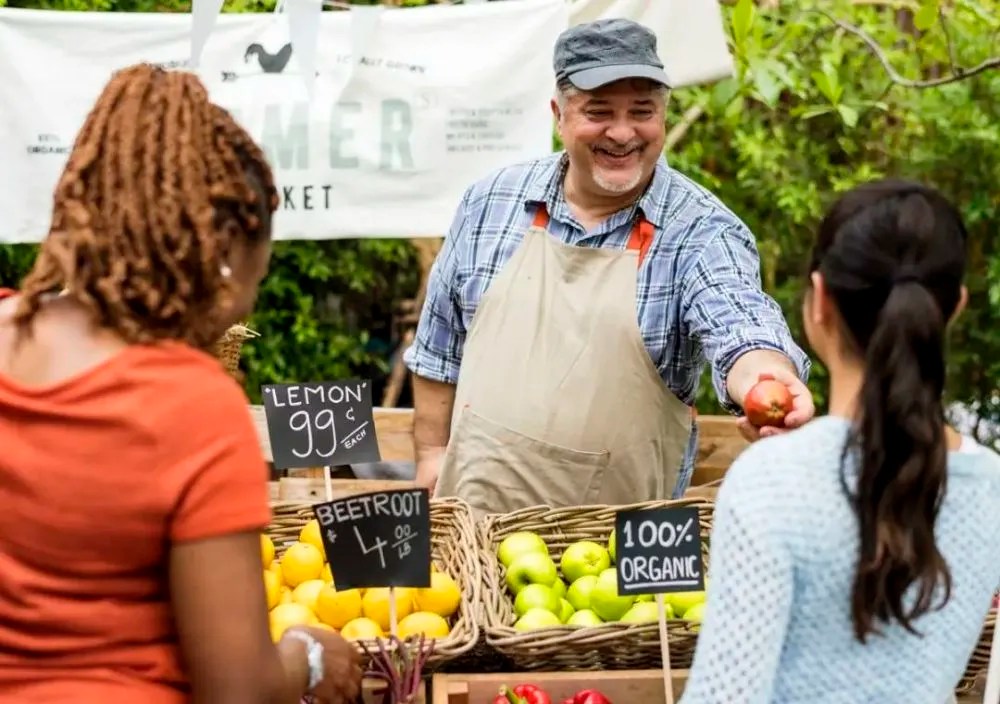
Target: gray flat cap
{"points": [[594, 54]]}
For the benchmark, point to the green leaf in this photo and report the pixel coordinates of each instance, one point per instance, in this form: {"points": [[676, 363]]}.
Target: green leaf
{"points": [[849, 115], [723, 92], [767, 84], [828, 84], [816, 111], [742, 19], [735, 107], [926, 16]]}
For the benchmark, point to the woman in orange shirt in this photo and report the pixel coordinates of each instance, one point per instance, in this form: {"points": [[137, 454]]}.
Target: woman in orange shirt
{"points": [[132, 491]]}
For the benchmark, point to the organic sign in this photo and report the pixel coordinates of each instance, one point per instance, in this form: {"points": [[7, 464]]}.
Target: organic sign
{"points": [[380, 539], [658, 550], [320, 424]]}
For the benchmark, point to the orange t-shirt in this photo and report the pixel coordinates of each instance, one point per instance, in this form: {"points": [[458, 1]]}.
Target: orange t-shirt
{"points": [[98, 475]]}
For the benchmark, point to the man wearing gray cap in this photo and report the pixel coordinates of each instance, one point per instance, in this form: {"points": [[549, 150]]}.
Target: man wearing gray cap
{"points": [[576, 299]]}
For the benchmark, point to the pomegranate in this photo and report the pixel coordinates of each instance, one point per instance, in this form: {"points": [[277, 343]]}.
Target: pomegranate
{"points": [[767, 403]]}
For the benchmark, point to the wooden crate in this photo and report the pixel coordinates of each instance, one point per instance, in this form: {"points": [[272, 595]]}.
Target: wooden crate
{"points": [[313, 490], [370, 692], [620, 686], [626, 686]]}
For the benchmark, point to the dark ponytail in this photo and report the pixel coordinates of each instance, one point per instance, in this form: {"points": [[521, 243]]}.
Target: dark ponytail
{"points": [[892, 256], [900, 435]]}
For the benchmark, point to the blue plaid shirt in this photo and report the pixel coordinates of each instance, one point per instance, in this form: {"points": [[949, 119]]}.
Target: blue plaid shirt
{"points": [[698, 291]]}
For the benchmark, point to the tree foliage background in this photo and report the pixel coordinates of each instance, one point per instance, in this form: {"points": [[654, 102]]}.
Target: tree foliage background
{"points": [[812, 110]]}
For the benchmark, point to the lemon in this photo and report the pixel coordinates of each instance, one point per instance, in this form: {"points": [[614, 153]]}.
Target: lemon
{"points": [[441, 598], [284, 616], [359, 628], [307, 592], [430, 624], [286, 596], [276, 568], [272, 586], [300, 563], [375, 605], [310, 535], [338, 607], [327, 574], [266, 550]]}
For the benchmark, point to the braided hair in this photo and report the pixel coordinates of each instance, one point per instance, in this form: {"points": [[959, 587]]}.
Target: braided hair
{"points": [[160, 186]]}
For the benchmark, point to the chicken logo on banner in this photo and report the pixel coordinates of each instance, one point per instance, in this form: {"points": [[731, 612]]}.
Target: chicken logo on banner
{"points": [[303, 34], [269, 63]]}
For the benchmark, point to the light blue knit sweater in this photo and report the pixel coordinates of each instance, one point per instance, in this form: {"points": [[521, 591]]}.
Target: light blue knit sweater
{"points": [[777, 626]]}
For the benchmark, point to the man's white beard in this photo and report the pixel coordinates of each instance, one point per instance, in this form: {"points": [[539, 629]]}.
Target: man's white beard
{"points": [[617, 186]]}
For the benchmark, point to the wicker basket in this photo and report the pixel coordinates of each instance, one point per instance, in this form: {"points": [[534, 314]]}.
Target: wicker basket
{"points": [[227, 349], [453, 550], [980, 659], [609, 646], [287, 520]]}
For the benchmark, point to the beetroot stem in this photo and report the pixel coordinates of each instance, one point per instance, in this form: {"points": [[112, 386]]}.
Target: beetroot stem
{"points": [[401, 670]]}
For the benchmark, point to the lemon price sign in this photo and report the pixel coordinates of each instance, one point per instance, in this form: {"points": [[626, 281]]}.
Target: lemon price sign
{"points": [[320, 424], [658, 550], [378, 539]]}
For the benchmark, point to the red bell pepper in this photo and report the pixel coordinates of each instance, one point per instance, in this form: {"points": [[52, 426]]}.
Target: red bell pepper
{"points": [[522, 694], [589, 696]]}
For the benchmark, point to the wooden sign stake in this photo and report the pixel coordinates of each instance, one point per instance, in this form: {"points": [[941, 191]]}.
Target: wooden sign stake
{"points": [[328, 482], [392, 611], [668, 688]]}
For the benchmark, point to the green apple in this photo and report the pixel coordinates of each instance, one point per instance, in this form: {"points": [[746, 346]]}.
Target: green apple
{"points": [[520, 543], [565, 610], [644, 612], [695, 613], [682, 601], [611, 545], [582, 558], [584, 617], [604, 598], [578, 593], [559, 587], [536, 596], [531, 568], [537, 618]]}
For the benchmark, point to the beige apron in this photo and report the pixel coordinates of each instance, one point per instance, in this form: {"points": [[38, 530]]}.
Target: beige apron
{"points": [[558, 401]]}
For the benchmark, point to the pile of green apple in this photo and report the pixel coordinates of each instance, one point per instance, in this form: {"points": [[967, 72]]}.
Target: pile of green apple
{"points": [[582, 590]]}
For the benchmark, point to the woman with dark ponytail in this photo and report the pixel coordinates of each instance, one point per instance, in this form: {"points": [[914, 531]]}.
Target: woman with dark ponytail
{"points": [[854, 559]]}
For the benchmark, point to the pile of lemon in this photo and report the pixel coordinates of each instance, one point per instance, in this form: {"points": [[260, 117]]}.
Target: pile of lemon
{"points": [[301, 591]]}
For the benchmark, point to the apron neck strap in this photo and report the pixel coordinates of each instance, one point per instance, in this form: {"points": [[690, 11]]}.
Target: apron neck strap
{"points": [[639, 240]]}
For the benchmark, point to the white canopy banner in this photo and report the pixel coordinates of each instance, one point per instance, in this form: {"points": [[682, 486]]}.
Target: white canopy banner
{"points": [[389, 140], [405, 110]]}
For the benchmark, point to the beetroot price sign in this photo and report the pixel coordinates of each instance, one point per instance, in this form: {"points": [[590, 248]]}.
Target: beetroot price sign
{"points": [[658, 550], [380, 539]]}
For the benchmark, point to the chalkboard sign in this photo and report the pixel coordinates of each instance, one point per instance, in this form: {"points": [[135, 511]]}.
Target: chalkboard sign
{"points": [[380, 539], [320, 424], [658, 550]]}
